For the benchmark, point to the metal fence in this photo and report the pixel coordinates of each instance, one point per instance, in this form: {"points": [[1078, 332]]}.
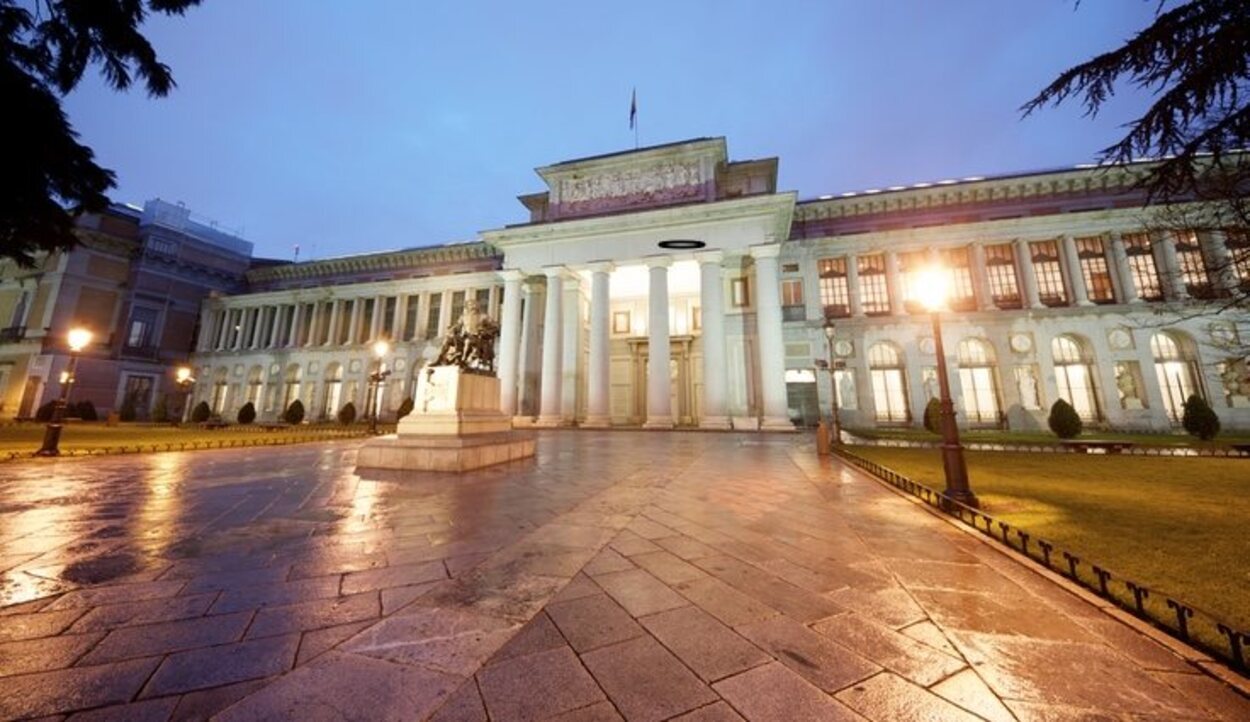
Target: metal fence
{"points": [[1183, 621], [1138, 450]]}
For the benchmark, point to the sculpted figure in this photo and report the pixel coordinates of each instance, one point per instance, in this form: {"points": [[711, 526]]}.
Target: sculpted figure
{"points": [[1125, 383], [470, 342]]}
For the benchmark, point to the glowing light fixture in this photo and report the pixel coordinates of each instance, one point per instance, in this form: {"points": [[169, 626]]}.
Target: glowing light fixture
{"points": [[78, 339], [931, 288], [381, 348]]}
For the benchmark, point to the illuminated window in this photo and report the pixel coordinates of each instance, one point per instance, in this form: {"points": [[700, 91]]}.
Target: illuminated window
{"points": [[910, 266], [1238, 242], [792, 308], [1049, 273], [696, 318], [1193, 266], [366, 321], [411, 311], [1000, 268], [142, 327], [1094, 270], [457, 305], [432, 316], [739, 293], [620, 322], [1074, 376], [874, 292], [978, 381], [835, 295], [889, 383], [1177, 371], [963, 296], [1141, 264]]}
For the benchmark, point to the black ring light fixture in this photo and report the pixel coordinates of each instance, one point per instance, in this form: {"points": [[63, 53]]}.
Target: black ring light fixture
{"points": [[682, 244]]}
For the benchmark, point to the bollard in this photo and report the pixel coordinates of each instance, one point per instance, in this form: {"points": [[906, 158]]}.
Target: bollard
{"points": [[822, 439]]}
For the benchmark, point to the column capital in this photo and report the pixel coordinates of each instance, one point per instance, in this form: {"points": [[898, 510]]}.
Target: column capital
{"points": [[716, 257], [600, 267], [511, 274], [555, 271], [658, 261], [770, 250]]}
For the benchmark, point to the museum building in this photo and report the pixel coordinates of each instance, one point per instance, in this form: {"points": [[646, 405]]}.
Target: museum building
{"points": [[672, 287]]}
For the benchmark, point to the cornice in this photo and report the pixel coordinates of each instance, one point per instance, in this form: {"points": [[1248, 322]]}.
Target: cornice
{"points": [[372, 262]]}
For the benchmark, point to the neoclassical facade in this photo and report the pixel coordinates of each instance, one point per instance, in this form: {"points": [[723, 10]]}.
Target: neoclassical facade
{"points": [[672, 287]]}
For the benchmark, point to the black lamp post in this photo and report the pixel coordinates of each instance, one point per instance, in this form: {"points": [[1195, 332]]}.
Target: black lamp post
{"points": [[833, 382], [932, 285], [380, 349], [78, 339]]}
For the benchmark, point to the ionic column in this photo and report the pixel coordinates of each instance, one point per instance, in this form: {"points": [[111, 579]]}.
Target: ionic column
{"points": [[598, 410], [1024, 264], [1164, 247], [401, 312], [206, 331], [509, 341], [277, 326], [893, 285], [715, 378], [772, 349], [1220, 261], [332, 335], [297, 315], [313, 321], [659, 387], [526, 353], [1121, 273], [1072, 264], [852, 286], [553, 332], [240, 322], [375, 325], [980, 278], [353, 323]]}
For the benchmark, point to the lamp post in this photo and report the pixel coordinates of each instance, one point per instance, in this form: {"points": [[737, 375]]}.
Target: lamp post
{"points": [[931, 289], [833, 382], [380, 349], [185, 381], [78, 338]]}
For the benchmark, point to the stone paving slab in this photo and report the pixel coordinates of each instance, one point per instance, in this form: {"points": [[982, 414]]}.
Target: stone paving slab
{"points": [[638, 576]]}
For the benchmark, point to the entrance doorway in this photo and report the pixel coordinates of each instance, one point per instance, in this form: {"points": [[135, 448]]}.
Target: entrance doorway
{"points": [[681, 383]]}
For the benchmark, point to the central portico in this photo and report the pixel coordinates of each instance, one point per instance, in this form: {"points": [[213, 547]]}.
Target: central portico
{"points": [[644, 292]]}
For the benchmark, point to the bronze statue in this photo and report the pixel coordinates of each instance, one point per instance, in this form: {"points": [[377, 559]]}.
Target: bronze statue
{"points": [[470, 342]]}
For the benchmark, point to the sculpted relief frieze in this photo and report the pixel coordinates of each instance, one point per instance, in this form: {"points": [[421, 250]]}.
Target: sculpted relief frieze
{"points": [[663, 182]]}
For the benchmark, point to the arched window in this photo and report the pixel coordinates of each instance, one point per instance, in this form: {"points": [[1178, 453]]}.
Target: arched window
{"points": [[979, 381], [889, 383], [333, 394], [1074, 375], [1176, 367], [221, 389], [255, 383], [290, 386]]}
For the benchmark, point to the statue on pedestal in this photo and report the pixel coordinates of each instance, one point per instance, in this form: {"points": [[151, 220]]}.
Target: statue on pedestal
{"points": [[470, 342]]}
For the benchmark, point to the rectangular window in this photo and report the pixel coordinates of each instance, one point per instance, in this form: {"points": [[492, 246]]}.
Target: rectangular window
{"points": [[963, 296], [1193, 266], [792, 308], [739, 294], [432, 315], [874, 292], [142, 327], [1141, 264], [620, 322], [482, 295], [696, 318], [1049, 273], [306, 323], [835, 292], [284, 330], [1238, 242], [366, 321], [266, 326], [388, 315], [410, 317], [1000, 269], [346, 313], [1094, 270], [910, 266], [457, 306], [139, 392]]}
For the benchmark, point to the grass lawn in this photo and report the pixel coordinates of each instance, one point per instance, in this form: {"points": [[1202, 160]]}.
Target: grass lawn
{"points": [[85, 436], [1176, 525], [1045, 437]]}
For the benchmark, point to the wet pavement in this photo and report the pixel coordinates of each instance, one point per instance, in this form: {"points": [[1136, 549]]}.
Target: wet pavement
{"points": [[644, 576]]}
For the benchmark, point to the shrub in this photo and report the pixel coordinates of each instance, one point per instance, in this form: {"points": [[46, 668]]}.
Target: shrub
{"points": [[1064, 420], [347, 414], [1199, 418], [129, 410], [294, 413], [933, 416], [86, 411], [247, 414], [44, 413], [160, 411], [404, 409], [201, 412]]}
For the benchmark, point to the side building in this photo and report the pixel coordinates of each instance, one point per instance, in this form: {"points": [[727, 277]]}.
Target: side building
{"points": [[136, 281], [673, 287]]}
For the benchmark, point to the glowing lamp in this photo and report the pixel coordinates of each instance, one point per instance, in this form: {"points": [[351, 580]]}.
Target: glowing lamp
{"points": [[78, 339], [381, 348], [183, 375], [931, 289]]}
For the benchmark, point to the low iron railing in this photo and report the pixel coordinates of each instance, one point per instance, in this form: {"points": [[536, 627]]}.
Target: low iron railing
{"points": [[1230, 451], [260, 439], [1183, 621]]}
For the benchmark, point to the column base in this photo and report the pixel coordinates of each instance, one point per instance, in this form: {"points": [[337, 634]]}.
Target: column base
{"points": [[550, 422], [715, 422], [522, 422], [658, 422], [596, 422], [776, 423]]}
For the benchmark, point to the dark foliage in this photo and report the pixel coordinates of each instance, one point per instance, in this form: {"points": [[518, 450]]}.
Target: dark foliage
{"points": [[294, 413], [160, 410], [44, 413], [85, 410], [1064, 420], [49, 178], [247, 414], [201, 412], [1199, 418], [347, 414], [933, 416], [129, 410], [404, 409]]}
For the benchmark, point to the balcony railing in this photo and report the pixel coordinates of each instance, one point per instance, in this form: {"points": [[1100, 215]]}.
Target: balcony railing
{"points": [[143, 352], [12, 334]]}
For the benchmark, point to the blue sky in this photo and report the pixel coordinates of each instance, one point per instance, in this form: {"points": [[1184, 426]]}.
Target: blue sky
{"points": [[347, 127]]}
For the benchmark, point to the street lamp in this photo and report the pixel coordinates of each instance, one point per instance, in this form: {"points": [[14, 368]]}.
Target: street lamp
{"points": [[931, 292], [380, 349], [833, 382], [185, 381], [78, 339]]}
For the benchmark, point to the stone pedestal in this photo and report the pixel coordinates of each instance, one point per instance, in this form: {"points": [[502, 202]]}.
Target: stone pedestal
{"points": [[455, 425]]}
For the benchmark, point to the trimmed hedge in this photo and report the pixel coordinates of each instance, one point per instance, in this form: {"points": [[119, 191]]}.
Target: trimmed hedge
{"points": [[347, 414], [247, 414], [933, 416], [1064, 420], [1199, 418], [294, 413], [201, 412]]}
